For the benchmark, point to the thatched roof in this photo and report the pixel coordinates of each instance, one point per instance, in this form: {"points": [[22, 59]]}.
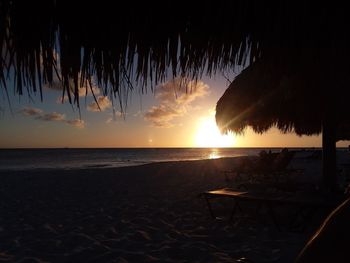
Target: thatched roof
{"points": [[291, 98], [146, 41], [305, 94]]}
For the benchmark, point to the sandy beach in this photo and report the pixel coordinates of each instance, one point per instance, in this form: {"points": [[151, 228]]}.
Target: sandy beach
{"points": [[134, 214]]}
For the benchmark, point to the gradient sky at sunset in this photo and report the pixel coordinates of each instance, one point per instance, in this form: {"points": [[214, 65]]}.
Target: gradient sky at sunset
{"points": [[169, 117]]}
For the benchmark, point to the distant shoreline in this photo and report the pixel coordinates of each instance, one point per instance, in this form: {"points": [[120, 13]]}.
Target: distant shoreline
{"points": [[156, 148], [100, 158], [113, 168]]}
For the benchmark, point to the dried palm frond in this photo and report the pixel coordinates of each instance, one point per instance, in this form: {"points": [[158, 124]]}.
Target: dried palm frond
{"points": [[121, 45]]}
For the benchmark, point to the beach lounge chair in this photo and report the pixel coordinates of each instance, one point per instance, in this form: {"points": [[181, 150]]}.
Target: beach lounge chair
{"points": [[249, 168], [268, 169], [274, 167], [240, 172], [315, 155], [304, 206]]}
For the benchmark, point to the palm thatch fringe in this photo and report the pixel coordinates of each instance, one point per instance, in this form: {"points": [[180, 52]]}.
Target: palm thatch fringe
{"points": [[145, 42], [298, 98]]}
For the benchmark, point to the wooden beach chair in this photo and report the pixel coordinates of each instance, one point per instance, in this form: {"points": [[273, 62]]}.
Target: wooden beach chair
{"points": [[273, 168], [240, 173], [304, 206], [249, 169], [269, 169]]}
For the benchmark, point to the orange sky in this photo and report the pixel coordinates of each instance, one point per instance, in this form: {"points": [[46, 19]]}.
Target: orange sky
{"points": [[170, 117]]}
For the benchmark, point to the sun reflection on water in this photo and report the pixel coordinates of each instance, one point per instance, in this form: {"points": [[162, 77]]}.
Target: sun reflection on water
{"points": [[214, 154]]}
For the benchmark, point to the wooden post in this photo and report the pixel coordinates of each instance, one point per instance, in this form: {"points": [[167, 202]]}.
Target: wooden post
{"points": [[329, 158]]}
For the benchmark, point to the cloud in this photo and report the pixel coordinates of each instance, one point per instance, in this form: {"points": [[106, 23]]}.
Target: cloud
{"points": [[103, 104], [86, 92], [138, 113], [85, 89], [175, 100], [82, 92], [160, 116], [76, 123], [162, 124], [180, 91], [29, 111], [53, 116], [114, 116], [39, 114]]}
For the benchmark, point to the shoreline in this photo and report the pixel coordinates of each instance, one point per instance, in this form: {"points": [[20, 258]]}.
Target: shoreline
{"points": [[103, 166], [35, 159]]}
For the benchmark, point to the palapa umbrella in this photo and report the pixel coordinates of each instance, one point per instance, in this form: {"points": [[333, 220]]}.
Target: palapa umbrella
{"points": [[292, 98]]}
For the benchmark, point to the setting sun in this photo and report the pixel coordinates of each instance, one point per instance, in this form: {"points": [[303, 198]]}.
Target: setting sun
{"points": [[208, 135]]}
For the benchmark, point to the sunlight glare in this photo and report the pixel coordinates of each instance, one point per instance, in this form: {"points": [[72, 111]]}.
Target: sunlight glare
{"points": [[214, 154], [208, 135]]}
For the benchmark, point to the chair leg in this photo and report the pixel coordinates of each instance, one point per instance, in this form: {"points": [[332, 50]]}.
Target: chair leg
{"points": [[270, 212], [236, 207], [273, 216], [297, 215], [304, 215], [209, 208]]}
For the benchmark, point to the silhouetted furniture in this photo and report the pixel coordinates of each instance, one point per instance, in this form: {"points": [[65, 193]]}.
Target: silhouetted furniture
{"points": [[315, 155], [273, 167], [267, 168], [305, 205], [241, 171]]}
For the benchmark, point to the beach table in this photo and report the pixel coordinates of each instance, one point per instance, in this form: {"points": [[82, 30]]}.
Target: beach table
{"points": [[305, 205]]}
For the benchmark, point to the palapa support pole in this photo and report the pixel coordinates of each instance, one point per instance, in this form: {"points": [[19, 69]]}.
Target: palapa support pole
{"points": [[329, 159]]}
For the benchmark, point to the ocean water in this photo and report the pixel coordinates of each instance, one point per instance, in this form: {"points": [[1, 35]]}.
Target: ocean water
{"points": [[23, 159]]}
